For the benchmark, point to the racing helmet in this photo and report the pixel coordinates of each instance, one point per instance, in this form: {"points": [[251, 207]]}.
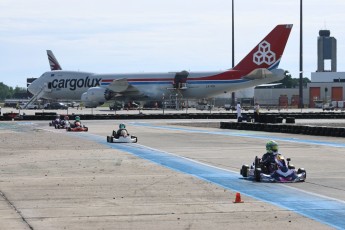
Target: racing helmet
{"points": [[122, 126], [271, 146], [77, 118]]}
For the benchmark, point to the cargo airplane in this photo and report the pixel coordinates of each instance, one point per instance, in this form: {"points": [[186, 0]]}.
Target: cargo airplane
{"points": [[260, 66]]}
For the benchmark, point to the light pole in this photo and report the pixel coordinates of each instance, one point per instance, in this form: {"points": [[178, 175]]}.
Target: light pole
{"points": [[233, 36], [301, 59], [163, 102], [233, 50]]}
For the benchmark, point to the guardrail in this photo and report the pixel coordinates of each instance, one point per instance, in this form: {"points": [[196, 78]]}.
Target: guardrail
{"points": [[286, 128], [263, 118]]}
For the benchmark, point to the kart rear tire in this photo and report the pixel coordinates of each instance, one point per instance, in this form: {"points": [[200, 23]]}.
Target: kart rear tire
{"points": [[257, 174], [86, 129], [244, 170]]}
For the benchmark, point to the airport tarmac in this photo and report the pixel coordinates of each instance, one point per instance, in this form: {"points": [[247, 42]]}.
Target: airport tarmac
{"points": [[177, 176]]}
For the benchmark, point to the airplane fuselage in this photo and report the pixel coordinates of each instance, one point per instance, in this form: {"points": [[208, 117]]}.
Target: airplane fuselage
{"points": [[72, 84]]}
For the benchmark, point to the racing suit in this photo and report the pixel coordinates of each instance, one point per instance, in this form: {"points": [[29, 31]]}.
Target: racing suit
{"points": [[120, 133], [75, 123], [268, 160]]}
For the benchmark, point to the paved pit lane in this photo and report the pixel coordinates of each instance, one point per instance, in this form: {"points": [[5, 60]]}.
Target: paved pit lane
{"points": [[176, 177]]}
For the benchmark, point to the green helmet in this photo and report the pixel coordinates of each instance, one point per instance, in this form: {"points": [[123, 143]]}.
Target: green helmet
{"points": [[122, 126], [77, 118], [271, 146]]}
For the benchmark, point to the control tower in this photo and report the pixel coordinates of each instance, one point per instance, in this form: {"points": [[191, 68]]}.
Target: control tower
{"points": [[326, 50]]}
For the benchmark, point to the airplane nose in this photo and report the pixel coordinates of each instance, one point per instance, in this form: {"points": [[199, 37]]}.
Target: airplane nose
{"points": [[33, 87]]}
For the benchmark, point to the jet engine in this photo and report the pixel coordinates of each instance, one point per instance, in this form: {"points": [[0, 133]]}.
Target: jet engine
{"points": [[94, 97]]}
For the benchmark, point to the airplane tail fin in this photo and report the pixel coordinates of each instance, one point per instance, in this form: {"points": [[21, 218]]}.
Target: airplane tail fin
{"points": [[268, 53], [54, 64]]}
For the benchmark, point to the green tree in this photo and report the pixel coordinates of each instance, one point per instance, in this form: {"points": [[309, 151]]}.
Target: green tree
{"points": [[19, 92], [5, 91], [289, 82], [9, 92]]}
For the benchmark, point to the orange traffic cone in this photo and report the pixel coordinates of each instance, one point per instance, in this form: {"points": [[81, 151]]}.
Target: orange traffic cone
{"points": [[238, 198]]}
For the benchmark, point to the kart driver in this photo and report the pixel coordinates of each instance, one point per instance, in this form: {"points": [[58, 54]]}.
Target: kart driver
{"points": [[77, 121], [268, 159], [65, 120], [56, 121], [122, 131]]}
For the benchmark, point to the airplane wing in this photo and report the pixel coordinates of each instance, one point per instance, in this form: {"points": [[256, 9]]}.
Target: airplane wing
{"points": [[261, 73], [118, 85], [121, 87], [272, 84]]}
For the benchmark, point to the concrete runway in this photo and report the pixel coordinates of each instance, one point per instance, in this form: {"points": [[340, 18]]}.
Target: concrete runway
{"points": [[176, 177]]}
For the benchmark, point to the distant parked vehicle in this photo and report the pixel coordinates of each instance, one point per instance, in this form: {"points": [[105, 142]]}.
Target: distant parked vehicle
{"points": [[327, 107], [204, 107], [73, 104], [115, 106], [228, 107], [55, 105], [31, 106]]}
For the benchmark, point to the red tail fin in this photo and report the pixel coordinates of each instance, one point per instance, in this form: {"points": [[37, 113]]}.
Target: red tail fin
{"points": [[268, 52], [53, 62]]}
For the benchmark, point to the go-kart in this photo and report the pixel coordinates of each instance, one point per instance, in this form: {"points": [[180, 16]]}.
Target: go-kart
{"points": [[55, 122], [121, 138], [77, 127], [280, 171], [63, 124]]}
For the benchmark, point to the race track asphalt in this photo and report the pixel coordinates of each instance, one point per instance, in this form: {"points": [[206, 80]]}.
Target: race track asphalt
{"points": [[178, 176]]}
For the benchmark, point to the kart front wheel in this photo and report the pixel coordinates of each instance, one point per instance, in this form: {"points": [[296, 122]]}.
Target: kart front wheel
{"points": [[302, 170]]}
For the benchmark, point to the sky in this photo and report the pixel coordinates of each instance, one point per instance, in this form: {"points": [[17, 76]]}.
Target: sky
{"points": [[136, 36]]}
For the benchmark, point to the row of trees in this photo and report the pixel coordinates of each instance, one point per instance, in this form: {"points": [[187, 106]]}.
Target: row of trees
{"points": [[289, 82], [7, 92]]}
